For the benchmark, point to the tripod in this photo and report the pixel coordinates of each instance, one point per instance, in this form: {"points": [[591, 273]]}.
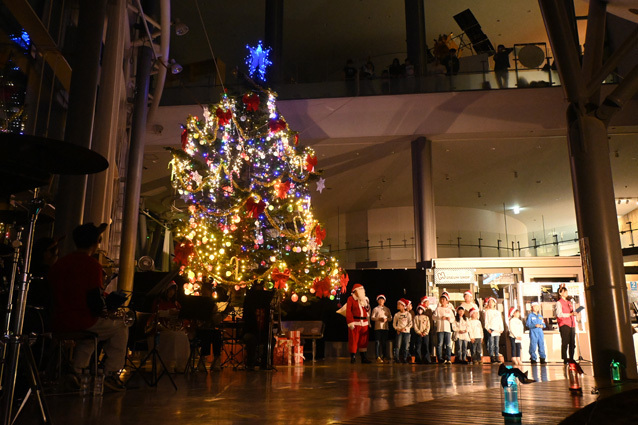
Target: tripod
{"points": [[15, 344], [154, 355]]}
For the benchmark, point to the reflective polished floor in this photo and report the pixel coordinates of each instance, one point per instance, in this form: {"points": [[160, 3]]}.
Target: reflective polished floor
{"points": [[331, 391]]}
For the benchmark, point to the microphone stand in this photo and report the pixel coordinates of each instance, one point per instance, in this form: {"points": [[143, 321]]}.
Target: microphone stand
{"points": [[580, 357], [14, 338], [6, 331]]}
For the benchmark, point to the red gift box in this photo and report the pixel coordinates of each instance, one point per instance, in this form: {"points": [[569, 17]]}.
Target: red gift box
{"points": [[297, 355], [295, 336], [282, 354]]}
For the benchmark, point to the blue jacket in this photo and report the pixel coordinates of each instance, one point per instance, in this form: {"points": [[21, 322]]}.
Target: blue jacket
{"points": [[534, 319]]}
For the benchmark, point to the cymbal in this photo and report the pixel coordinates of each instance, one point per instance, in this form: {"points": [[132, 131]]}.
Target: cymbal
{"points": [[44, 155]]}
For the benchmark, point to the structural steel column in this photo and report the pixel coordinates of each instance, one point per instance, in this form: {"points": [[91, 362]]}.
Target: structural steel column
{"points": [[105, 135], [80, 118], [274, 36], [592, 183], [415, 34], [608, 306], [423, 197], [134, 169]]}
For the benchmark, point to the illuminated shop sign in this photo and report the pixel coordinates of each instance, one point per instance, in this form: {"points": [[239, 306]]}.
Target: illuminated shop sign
{"points": [[451, 276]]}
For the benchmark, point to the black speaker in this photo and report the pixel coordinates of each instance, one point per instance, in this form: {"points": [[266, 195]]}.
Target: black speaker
{"points": [[470, 26]]}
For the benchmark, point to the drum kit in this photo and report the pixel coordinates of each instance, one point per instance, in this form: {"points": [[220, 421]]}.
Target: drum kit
{"points": [[27, 163]]}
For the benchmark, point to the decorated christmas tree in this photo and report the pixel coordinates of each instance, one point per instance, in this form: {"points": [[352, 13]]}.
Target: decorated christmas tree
{"points": [[247, 182]]}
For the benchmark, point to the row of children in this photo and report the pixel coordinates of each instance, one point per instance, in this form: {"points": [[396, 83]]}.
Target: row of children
{"points": [[414, 330]]}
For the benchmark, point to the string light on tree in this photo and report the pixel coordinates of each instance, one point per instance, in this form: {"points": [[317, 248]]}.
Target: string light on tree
{"points": [[247, 183]]}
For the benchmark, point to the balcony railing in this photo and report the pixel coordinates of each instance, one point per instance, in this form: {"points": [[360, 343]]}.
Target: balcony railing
{"points": [[555, 242], [206, 89]]}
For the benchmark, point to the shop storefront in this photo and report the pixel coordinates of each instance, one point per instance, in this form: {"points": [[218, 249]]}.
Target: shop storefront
{"points": [[518, 281]]}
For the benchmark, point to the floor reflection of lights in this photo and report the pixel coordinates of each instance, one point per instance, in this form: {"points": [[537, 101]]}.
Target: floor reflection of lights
{"points": [[327, 392]]}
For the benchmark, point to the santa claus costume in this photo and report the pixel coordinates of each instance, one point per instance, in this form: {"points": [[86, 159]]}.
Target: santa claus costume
{"points": [[357, 313]]}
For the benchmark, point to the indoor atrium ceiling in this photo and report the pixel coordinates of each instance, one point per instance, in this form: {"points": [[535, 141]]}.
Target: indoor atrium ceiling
{"points": [[484, 171]]}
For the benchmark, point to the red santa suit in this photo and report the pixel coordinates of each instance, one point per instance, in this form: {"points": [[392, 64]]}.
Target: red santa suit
{"points": [[357, 313]]}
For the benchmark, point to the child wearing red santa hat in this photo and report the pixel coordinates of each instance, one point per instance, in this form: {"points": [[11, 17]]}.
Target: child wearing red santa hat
{"points": [[443, 318], [357, 312], [402, 324]]}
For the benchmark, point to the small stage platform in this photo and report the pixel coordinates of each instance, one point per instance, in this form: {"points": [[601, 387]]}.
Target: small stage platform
{"points": [[329, 392]]}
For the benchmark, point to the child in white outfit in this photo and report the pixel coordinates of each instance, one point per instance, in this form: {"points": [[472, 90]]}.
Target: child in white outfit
{"points": [[494, 326], [402, 323], [381, 316], [516, 334], [461, 326], [443, 318], [476, 336]]}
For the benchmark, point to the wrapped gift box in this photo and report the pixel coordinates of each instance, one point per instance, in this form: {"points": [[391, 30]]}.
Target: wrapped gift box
{"points": [[295, 336], [297, 355], [282, 354]]}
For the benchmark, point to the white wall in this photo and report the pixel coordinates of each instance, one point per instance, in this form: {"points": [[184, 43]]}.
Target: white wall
{"points": [[397, 224]]}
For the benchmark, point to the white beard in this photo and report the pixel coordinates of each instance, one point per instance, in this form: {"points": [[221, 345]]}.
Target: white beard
{"points": [[360, 295]]}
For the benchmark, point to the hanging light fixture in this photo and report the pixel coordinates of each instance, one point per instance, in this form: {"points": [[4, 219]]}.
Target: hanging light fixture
{"points": [[180, 28], [175, 67]]}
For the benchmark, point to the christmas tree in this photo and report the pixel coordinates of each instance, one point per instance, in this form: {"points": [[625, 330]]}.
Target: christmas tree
{"points": [[247, 181]]}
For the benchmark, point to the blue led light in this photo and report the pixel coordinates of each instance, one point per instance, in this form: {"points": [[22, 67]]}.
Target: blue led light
{"points": [[257, 61], [23, 40]]}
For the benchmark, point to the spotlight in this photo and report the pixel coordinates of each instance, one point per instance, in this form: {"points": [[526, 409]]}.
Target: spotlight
{"points": [[180, 28], [516, 209], [175, 67]]}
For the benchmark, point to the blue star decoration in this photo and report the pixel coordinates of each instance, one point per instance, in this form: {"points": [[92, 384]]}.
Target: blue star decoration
{"points": [[257, 61]]}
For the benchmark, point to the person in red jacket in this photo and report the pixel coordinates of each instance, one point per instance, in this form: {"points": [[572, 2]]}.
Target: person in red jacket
{"points": [[357, 313], [566, 325], [78, 304]]}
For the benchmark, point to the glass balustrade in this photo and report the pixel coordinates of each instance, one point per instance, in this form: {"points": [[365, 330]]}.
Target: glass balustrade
{"points": [[400, 246]]}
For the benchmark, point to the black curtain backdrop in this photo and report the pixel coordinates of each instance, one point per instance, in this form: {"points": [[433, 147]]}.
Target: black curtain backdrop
{"points": [[394, 284]]}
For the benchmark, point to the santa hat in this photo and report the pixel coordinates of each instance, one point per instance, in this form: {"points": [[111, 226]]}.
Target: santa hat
{"points": [[446, 295], [402, 301], [424, 299], [408, 302], [357, 286], [511, 312], [380, 296], [420, 306], [487, 301], [468, 293], [472, 311]]}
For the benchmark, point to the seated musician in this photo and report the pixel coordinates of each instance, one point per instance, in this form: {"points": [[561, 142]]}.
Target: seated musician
{"points": [[173, 344], [78, 304], [257, 325]]}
